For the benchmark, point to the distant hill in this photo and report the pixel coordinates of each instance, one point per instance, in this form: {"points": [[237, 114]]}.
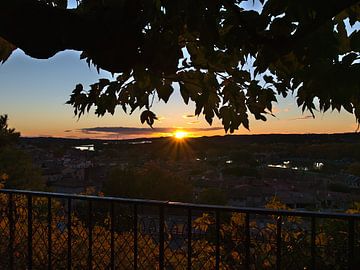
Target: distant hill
{"points": [[259, 139]]}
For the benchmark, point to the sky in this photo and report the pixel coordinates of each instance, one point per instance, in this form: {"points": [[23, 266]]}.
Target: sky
{"points": [[34, 93]]}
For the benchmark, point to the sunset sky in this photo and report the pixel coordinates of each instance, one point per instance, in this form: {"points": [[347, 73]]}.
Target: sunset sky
{"points": [[34, 92]]}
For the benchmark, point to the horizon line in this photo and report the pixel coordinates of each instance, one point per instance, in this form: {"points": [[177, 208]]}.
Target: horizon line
{"points": [[192, 137]]}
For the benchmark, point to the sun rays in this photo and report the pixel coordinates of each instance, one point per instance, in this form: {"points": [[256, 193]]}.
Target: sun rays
{"points": [[180, 134]]}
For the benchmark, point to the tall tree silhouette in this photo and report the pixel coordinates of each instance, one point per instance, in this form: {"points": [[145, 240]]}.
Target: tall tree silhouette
{"points": [[7, 135]]}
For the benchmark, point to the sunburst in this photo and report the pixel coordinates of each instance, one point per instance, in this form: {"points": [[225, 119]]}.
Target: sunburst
{"points": [[180, 134]]}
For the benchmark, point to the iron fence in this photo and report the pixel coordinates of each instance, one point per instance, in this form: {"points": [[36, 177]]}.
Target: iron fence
{"points": [[40, 230]]}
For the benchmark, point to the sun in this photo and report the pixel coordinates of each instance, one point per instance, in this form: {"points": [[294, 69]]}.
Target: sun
{"points": [[180, 134]]}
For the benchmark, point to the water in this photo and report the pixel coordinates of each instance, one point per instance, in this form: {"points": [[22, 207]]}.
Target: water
{"points": [[88, 147]]}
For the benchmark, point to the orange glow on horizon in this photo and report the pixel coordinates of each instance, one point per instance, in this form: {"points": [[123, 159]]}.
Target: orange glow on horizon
{"points": [[181, 134]]}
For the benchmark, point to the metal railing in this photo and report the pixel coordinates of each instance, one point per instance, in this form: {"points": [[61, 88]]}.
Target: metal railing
{"points": [[40, 230]]}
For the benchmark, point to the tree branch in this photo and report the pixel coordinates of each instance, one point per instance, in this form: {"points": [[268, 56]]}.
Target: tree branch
{"points": [[107, 36], [40, 30]]}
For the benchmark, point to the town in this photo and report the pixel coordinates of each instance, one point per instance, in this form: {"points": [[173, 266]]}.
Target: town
{"points": [[309, 172]]}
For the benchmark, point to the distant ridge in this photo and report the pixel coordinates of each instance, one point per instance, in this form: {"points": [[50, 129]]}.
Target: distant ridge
{"points": [[258, 138]]}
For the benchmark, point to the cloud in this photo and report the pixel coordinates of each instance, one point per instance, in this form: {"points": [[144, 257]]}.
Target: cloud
{"points": [[126, 131], [45, 136], [193, 122], [68, 130], [188, 116], [306, 117]]}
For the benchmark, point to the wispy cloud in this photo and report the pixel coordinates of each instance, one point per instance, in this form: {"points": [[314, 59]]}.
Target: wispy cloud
{"points": [[306, 117], [45, 135], [124, 130], [193, 122], [140, 131], [188, 116], [68, 130]]}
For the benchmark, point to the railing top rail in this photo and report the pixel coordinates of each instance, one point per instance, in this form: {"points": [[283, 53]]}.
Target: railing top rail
{"points": [[204, 207]]}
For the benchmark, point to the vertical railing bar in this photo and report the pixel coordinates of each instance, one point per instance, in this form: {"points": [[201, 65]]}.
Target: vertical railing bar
{"points": [[112, 231], [90, 251], [313, 244], [217, 240], [161, 237], [69, 234], [30, 232], [278, 242], [49, 221], [351, 244], [189, 235], [11, 232], [135, 229], [247, 241]]}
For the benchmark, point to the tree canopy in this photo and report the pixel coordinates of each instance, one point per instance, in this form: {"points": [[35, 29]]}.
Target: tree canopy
{"points": [[231, 62], [16, 167], [141, 183], [7, 135]]}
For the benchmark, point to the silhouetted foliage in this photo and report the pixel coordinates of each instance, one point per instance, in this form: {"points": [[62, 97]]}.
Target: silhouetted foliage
{"points": [[230, 61], [149, 182], [16, 167], [212, 196], [354, 168], [240, 171], [339, 187], [19, 170], [7, 135]]}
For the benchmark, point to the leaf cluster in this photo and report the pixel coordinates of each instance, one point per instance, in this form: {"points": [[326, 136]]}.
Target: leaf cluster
{"points": [[231, 62]]}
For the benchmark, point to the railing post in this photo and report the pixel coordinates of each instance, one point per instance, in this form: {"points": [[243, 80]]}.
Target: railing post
{"points": [[161, 237], [30, 232], [135, 229], [49, 221], [189, 235], [247, 241], [217, 240], [278, 242], [313, 247], [11, 232], [69, 234], [90, 251], [351, 232], [112, 241]]}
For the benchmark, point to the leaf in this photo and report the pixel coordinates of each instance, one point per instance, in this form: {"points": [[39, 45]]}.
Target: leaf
{"points": [[103, 83], [344, 41], [184, 93], [225, 115], [348, 107], [6, 49], [164, 91], [245, 121], [349, 58], [149, 117], [209, 114], [61, 3], [355, 40], [158, 4], [268, 79]]}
